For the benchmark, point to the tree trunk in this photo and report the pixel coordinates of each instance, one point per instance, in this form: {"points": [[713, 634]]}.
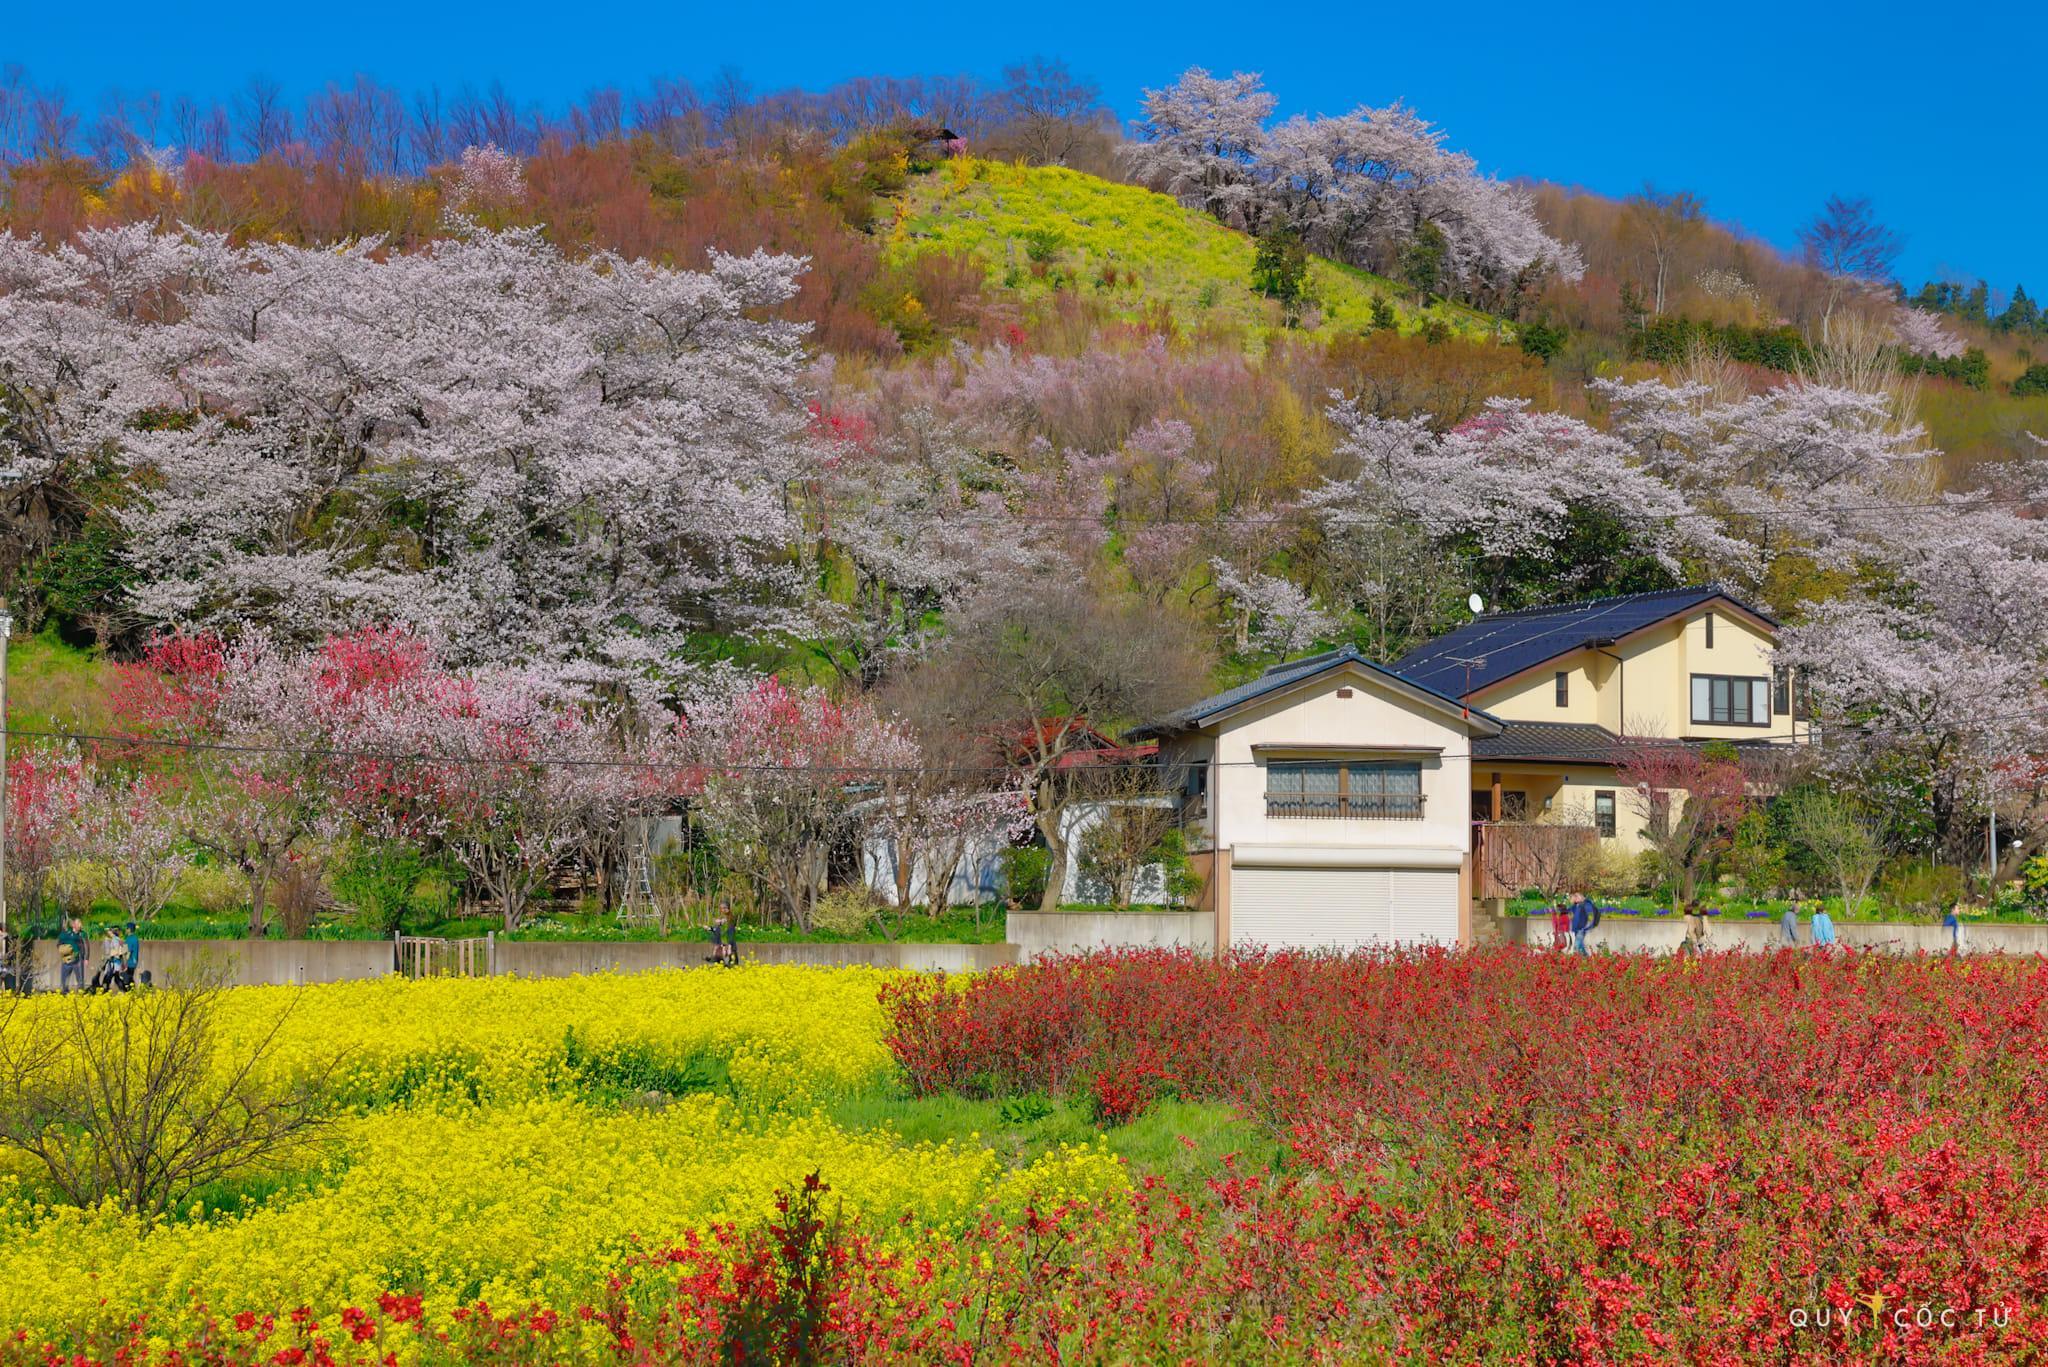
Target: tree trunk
{"points": [[1056, 867], [256, 889]]}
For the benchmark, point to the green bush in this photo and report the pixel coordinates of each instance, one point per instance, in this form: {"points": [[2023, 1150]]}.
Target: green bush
{"points": [[1024, 873], [2034, 380], [1921, 887]]}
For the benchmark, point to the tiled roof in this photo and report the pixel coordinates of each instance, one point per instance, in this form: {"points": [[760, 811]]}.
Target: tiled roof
{"points": [[1286, 674], [1562, 742], [1506, 643]]}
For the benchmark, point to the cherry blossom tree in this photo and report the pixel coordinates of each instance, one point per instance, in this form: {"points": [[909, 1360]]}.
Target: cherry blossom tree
{"points": [[533, 457], [1922, 333], [1200, 139]]}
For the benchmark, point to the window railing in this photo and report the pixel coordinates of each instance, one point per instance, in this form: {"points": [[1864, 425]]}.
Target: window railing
{"points": [[1335, 807]]}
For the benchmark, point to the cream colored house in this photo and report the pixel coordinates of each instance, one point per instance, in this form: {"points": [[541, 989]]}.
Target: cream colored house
{"points": [[1334, 802], [1329, 804], [1569, 681]]}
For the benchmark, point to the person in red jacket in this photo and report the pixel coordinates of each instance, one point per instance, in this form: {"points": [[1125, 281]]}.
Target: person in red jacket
{"points": [[1560, 925]]}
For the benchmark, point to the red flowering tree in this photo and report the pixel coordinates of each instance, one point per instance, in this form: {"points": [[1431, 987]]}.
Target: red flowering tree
{"points": [[1690, 798]]}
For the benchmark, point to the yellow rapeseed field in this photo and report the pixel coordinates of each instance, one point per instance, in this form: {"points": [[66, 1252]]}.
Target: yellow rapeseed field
{"points": [[471, 1165]]}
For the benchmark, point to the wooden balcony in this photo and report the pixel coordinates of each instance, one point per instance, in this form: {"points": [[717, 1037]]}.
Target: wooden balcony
{"points": [[1509, 856]]}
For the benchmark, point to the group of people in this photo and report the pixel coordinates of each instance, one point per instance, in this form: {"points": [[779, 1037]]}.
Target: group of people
{"points": [[1823, 924], [120, 958], [1571, 919], [1575, 915]]}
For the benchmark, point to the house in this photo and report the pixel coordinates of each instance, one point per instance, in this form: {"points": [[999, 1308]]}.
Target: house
{"points": [[1571, 680], [1328, 804], [1334, 801]]}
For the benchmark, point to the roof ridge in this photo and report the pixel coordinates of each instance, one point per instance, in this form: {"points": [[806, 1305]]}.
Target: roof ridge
{"points": [[1709, 588]]}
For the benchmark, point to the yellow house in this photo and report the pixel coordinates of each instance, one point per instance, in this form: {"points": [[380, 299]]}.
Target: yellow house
{"points": [[1573, 682]]}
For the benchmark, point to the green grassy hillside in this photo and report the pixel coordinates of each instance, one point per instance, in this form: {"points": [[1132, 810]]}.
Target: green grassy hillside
{"points": [[1039, 229]]}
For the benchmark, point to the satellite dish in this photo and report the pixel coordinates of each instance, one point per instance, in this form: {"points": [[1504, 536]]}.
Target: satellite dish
{"points": [[1476, 603]]}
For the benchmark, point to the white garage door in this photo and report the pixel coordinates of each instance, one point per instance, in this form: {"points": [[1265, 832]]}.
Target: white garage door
{"points": [[1308, 908]]}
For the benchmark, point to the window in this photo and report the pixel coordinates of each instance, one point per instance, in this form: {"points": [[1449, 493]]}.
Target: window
{"points": [[1781, 691], [1710, 631], [1355, 788], [1564, 688], [1603, 812], [1731, 700]]}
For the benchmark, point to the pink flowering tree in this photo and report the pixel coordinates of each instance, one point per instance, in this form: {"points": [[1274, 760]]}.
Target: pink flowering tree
{"points": [[253, 717], [48, 786], [783, 771], [1689, 799], [509, 772], [134, 827]]}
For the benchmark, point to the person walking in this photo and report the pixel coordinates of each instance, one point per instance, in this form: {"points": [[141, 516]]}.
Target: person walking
{"points": [[1561, 925], [71, 946], [132, 943], [1954, 926], [1790, 921], [1581, 922], [1695, 928], [1823, 926]]}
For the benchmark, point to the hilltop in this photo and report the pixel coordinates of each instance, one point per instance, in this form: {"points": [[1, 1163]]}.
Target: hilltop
{"points": [[1037, 230]]}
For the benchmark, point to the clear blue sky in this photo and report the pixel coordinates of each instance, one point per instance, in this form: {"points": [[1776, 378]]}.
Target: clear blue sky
{"points": [[1933, 112]]}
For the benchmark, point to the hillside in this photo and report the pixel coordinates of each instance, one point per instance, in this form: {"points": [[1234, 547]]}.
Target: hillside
{"points": [[1040, 229]]}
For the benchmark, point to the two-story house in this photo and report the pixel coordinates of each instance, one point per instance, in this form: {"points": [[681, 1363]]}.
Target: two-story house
{"points": [[1571, 681], [1333, 800], [1329, 805]]}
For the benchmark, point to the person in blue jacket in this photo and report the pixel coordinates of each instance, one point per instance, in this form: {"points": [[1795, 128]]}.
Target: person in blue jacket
{"points": [[1823, 925], [1582, 921]]}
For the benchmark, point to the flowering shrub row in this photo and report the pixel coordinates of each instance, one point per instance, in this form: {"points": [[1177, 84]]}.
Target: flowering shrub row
{"points": [[1521, 1155]]}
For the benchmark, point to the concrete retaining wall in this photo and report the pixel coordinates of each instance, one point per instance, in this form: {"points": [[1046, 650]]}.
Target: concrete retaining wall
{"points": [[560, 958], [1065, 932], [1662, 934], [286, 962], [255, 962]]}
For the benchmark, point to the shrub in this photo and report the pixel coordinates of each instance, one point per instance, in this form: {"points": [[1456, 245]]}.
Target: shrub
{"points": [[212, 889], [1921, 886], [1024, 873], [845, 910], [75, 884]]}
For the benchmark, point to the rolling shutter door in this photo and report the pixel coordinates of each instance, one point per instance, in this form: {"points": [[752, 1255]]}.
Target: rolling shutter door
{"points": [[1308, 908], [1423, 906], [1338, 908]]}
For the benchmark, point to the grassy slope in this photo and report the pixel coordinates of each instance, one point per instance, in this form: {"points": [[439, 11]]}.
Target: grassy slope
{"points": [[1196, 266], [52, 686]]}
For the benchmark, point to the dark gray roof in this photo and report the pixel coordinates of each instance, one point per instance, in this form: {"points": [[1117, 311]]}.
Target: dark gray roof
{"points": [[1285, 675], [1560, 742], [1501, 644]]}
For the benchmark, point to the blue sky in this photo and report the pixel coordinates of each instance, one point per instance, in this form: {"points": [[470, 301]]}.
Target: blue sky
{"points": [[1762, 109]]}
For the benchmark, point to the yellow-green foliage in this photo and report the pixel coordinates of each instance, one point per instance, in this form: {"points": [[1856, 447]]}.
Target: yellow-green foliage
{"points": [[1080, 229], [53, 686], [473, 1164]]}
